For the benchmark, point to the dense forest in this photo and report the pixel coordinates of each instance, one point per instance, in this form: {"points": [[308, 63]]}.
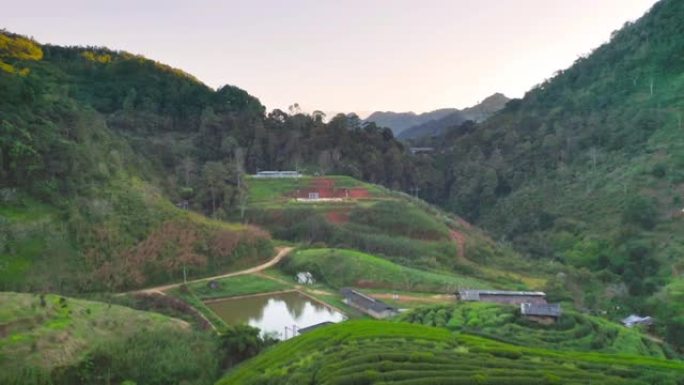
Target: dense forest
{"points": [[587, 169]]}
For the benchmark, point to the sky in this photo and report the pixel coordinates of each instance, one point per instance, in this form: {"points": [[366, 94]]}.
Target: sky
{"points": [[344, 55]]}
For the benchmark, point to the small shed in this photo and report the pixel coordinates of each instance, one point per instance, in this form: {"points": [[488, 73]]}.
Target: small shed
{"points": [[305, 278], [371, 306], [634, 319], [547, 313]]}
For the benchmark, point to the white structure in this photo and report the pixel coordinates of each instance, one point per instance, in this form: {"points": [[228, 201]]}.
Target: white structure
{"points": [[637, 320], [278, 174], [305, 278]]}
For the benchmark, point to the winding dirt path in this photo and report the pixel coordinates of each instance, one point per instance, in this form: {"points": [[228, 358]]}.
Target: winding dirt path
{"points": [[281, 253]]}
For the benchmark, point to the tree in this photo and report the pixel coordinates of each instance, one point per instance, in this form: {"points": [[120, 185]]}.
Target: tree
{"points": [[214, 177], [318, 116]]}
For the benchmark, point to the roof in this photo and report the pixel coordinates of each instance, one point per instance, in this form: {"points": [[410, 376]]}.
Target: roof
{"points": [[365, 301], [474, 295], [545, 310], [313, 327], [277, 174], [634, 319]]}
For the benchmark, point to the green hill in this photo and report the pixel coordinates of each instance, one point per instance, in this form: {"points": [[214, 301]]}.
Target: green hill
{"points": [[574, 331], [340, 267], [385, 224], [60, 340], [373, 352], [587, 169]]}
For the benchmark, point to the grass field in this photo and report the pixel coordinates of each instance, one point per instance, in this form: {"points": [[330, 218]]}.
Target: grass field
{"points": [[574, 331], [270, 190], [235, 286], [340, 267], [62, 331], [374, 352]]}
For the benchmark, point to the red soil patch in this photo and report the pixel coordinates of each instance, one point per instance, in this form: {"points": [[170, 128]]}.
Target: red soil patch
{"points": [[358, 193], [460, 241], [337, 217]]}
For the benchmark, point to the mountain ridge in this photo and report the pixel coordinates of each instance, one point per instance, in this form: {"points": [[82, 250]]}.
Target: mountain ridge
{"points": [[408, 125]]}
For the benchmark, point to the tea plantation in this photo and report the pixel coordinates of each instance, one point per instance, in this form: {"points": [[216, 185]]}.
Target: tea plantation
{"points": [[373, 352]]}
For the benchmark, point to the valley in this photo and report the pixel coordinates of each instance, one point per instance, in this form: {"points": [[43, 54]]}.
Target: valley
{"points": [[157, 230]]}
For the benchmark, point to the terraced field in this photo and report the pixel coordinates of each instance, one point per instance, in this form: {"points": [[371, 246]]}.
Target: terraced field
{"points": [[389, 225], [372, 352], [574, 331]]}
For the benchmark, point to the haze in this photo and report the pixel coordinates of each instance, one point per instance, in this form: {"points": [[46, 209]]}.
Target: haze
{"points": [[348, 55]]}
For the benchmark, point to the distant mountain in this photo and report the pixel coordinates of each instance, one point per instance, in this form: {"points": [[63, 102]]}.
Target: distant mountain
{"points": [[486, 108], [477, 113], [400, 121], [434, 127]]}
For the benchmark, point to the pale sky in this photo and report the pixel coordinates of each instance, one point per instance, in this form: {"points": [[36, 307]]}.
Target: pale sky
{"points": [[344, 55]]}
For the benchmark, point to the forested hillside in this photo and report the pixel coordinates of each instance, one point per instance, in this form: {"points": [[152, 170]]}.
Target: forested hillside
{"points": [[100, 152], [588, 169]]}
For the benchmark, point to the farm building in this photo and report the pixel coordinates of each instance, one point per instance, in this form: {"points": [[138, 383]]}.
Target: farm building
{"points": [[542, 313], [637, 320], [277, 174], [501, 296], [371, 306]]}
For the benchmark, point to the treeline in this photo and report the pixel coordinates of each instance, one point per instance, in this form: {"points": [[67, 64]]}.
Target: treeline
{"points": [[78, 113]]}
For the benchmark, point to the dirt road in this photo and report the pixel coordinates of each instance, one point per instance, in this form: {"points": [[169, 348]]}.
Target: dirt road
{"points": [[282, 252]]}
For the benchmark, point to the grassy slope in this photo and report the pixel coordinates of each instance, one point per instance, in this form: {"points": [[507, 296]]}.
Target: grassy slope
{"points": [[340, 267], [236, 286], [63, 331], [372, 352], [390, 225], [574, 331], [135, 238]]}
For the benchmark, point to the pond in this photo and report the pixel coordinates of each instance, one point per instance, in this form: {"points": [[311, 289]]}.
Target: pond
{"points": [[273, 313]]}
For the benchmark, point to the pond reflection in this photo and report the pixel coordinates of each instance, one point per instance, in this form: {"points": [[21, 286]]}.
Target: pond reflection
{"points": [[272, 313]]}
